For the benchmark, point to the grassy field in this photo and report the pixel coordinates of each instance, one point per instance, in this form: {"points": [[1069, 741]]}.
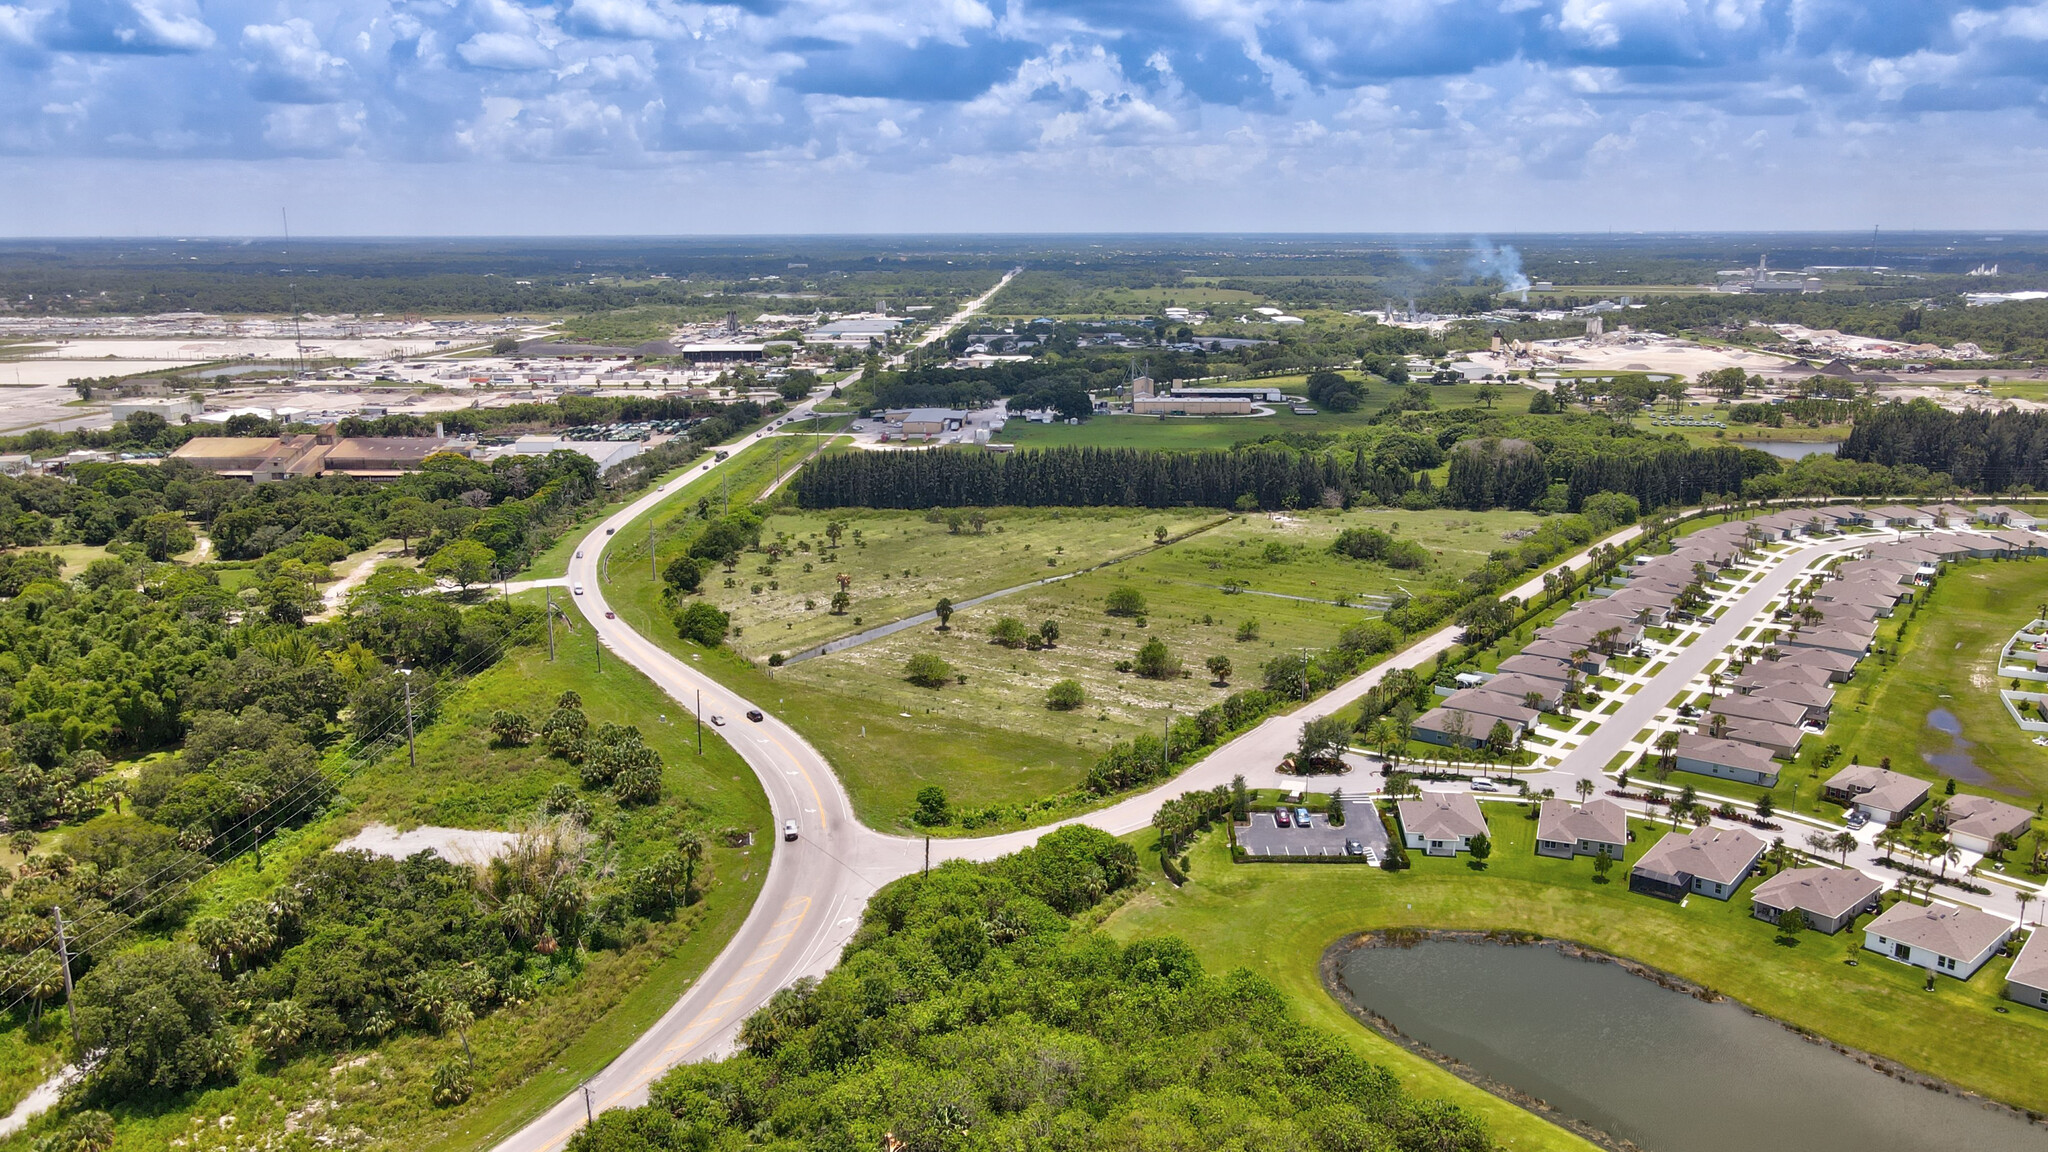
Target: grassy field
{"points": [[1016, 546], [1278, 919], [528, 1056], [1197, 432], [992, 740], [1949, 661]]}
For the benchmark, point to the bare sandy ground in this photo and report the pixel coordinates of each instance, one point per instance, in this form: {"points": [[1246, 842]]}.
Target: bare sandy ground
{"points": [[455, 845]]}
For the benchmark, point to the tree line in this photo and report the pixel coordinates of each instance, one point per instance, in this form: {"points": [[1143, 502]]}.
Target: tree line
{"points": [[1979, 450], [971, 1011]]}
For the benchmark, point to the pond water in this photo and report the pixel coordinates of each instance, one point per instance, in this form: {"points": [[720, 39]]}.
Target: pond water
{"points": [[1657, 1067], [1957, 761], [1792, 449]]}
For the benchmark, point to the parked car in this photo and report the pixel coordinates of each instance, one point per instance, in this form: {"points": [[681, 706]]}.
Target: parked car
{"points": [[754, 714], [1483, 784], [1301, 817], [1856, 818], [1354, 848], [579, 553], [789, 829], [1283, 817]]}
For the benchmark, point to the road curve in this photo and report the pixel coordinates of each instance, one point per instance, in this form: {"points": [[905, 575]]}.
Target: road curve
{"points": [[818, 884]]}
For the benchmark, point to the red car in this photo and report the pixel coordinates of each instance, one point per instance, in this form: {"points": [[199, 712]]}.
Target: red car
{"points": [[1283, 818], [611, 615]]}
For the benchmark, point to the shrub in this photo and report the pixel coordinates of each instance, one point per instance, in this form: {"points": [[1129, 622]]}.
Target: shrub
{"points": [[1065, 696], [1010, 632], [927, 670], [1124, 601], [451, 1084], [931, 807], [702, 623], [1155, 662]]}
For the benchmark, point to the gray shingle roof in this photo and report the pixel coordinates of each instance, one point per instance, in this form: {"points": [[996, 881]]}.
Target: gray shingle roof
{"points": [[1825, 892], [1601, 821], [1958, 933], [1722, 855], [1442, 816]]}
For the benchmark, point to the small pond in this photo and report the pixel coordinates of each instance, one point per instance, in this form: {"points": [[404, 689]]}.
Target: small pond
{"points": [[1792, 449], [1957, 761], [1653, 1066]]}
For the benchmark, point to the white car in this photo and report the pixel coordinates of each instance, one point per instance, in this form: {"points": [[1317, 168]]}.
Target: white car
{"points": [[1483, 784], [578, 589], [579, 553], [789, 829]]}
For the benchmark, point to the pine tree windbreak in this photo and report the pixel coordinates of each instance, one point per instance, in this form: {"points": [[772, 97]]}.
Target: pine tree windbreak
{"points": [[1981, 451], [1079, 478]]}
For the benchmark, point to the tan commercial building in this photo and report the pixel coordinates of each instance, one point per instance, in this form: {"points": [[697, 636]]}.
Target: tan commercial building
{"points": [[264, 459], [1191, 406]]}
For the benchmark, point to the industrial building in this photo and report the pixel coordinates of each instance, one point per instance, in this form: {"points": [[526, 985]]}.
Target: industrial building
{"points": [[722, 352], [263, 459], [853, 331]]}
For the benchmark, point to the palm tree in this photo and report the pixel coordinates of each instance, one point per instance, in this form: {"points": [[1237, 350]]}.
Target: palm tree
{"points": [[1950, 854], [1845, 843], [1887, 839], [691, 845], [2024, 897], [1585, 788]]}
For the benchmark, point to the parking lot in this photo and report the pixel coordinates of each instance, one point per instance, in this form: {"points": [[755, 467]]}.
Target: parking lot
{"points": [[1361, 823]]}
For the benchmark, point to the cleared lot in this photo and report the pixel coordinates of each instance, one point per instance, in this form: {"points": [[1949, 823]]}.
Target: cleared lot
{"points": [[1361, 823]]}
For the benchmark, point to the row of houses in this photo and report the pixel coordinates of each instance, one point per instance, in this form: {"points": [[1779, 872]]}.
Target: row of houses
{"points": [[1714, 862], [1775, 702]]}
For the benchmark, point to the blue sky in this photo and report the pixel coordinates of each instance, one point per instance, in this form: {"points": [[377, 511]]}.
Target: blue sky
{"points": [[649, 116]]}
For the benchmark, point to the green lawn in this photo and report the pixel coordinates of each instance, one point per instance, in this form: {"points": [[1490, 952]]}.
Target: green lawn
{"points": [[1218, 432], [526, 1056], [1278, 918], [992, 740], [1949, 661]]}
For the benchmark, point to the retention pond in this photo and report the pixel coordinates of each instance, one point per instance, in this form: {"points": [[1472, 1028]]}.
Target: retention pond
{"points": [[1645, 1065]]}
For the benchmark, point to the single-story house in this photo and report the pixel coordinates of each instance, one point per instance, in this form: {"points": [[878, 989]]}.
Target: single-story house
{"points": [[1948, 515], [1831, 639], [1874, 593], [1841, 515], [1783, 525], [1727, 759], [1520, 689], [1850, 615], [1895, 516], [1759, 674], [1952, 941], [1540, 667], [1711, 861], [1976, 822], [2027, 980], [1979, 544], [1591, 663], [2006, 517], [1829, 898], [1621, 612], [1441, 823], [1604, 633], [1765, 708], [1777, 739], [2025, 543], [1455, 727], [1565, 831], [1815, 698], [1838, 665], [1879, 793]]}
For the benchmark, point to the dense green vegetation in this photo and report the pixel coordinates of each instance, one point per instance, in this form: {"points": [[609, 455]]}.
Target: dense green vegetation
{"points": [[1978, 450], [969, 1012]]}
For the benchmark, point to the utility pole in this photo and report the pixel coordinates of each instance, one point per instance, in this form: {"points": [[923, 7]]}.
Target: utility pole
{"points": [[653, 564], [411, 758], [589, 1114], [64, 957], [927, 858], [1166, 744], [551, 625]]}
